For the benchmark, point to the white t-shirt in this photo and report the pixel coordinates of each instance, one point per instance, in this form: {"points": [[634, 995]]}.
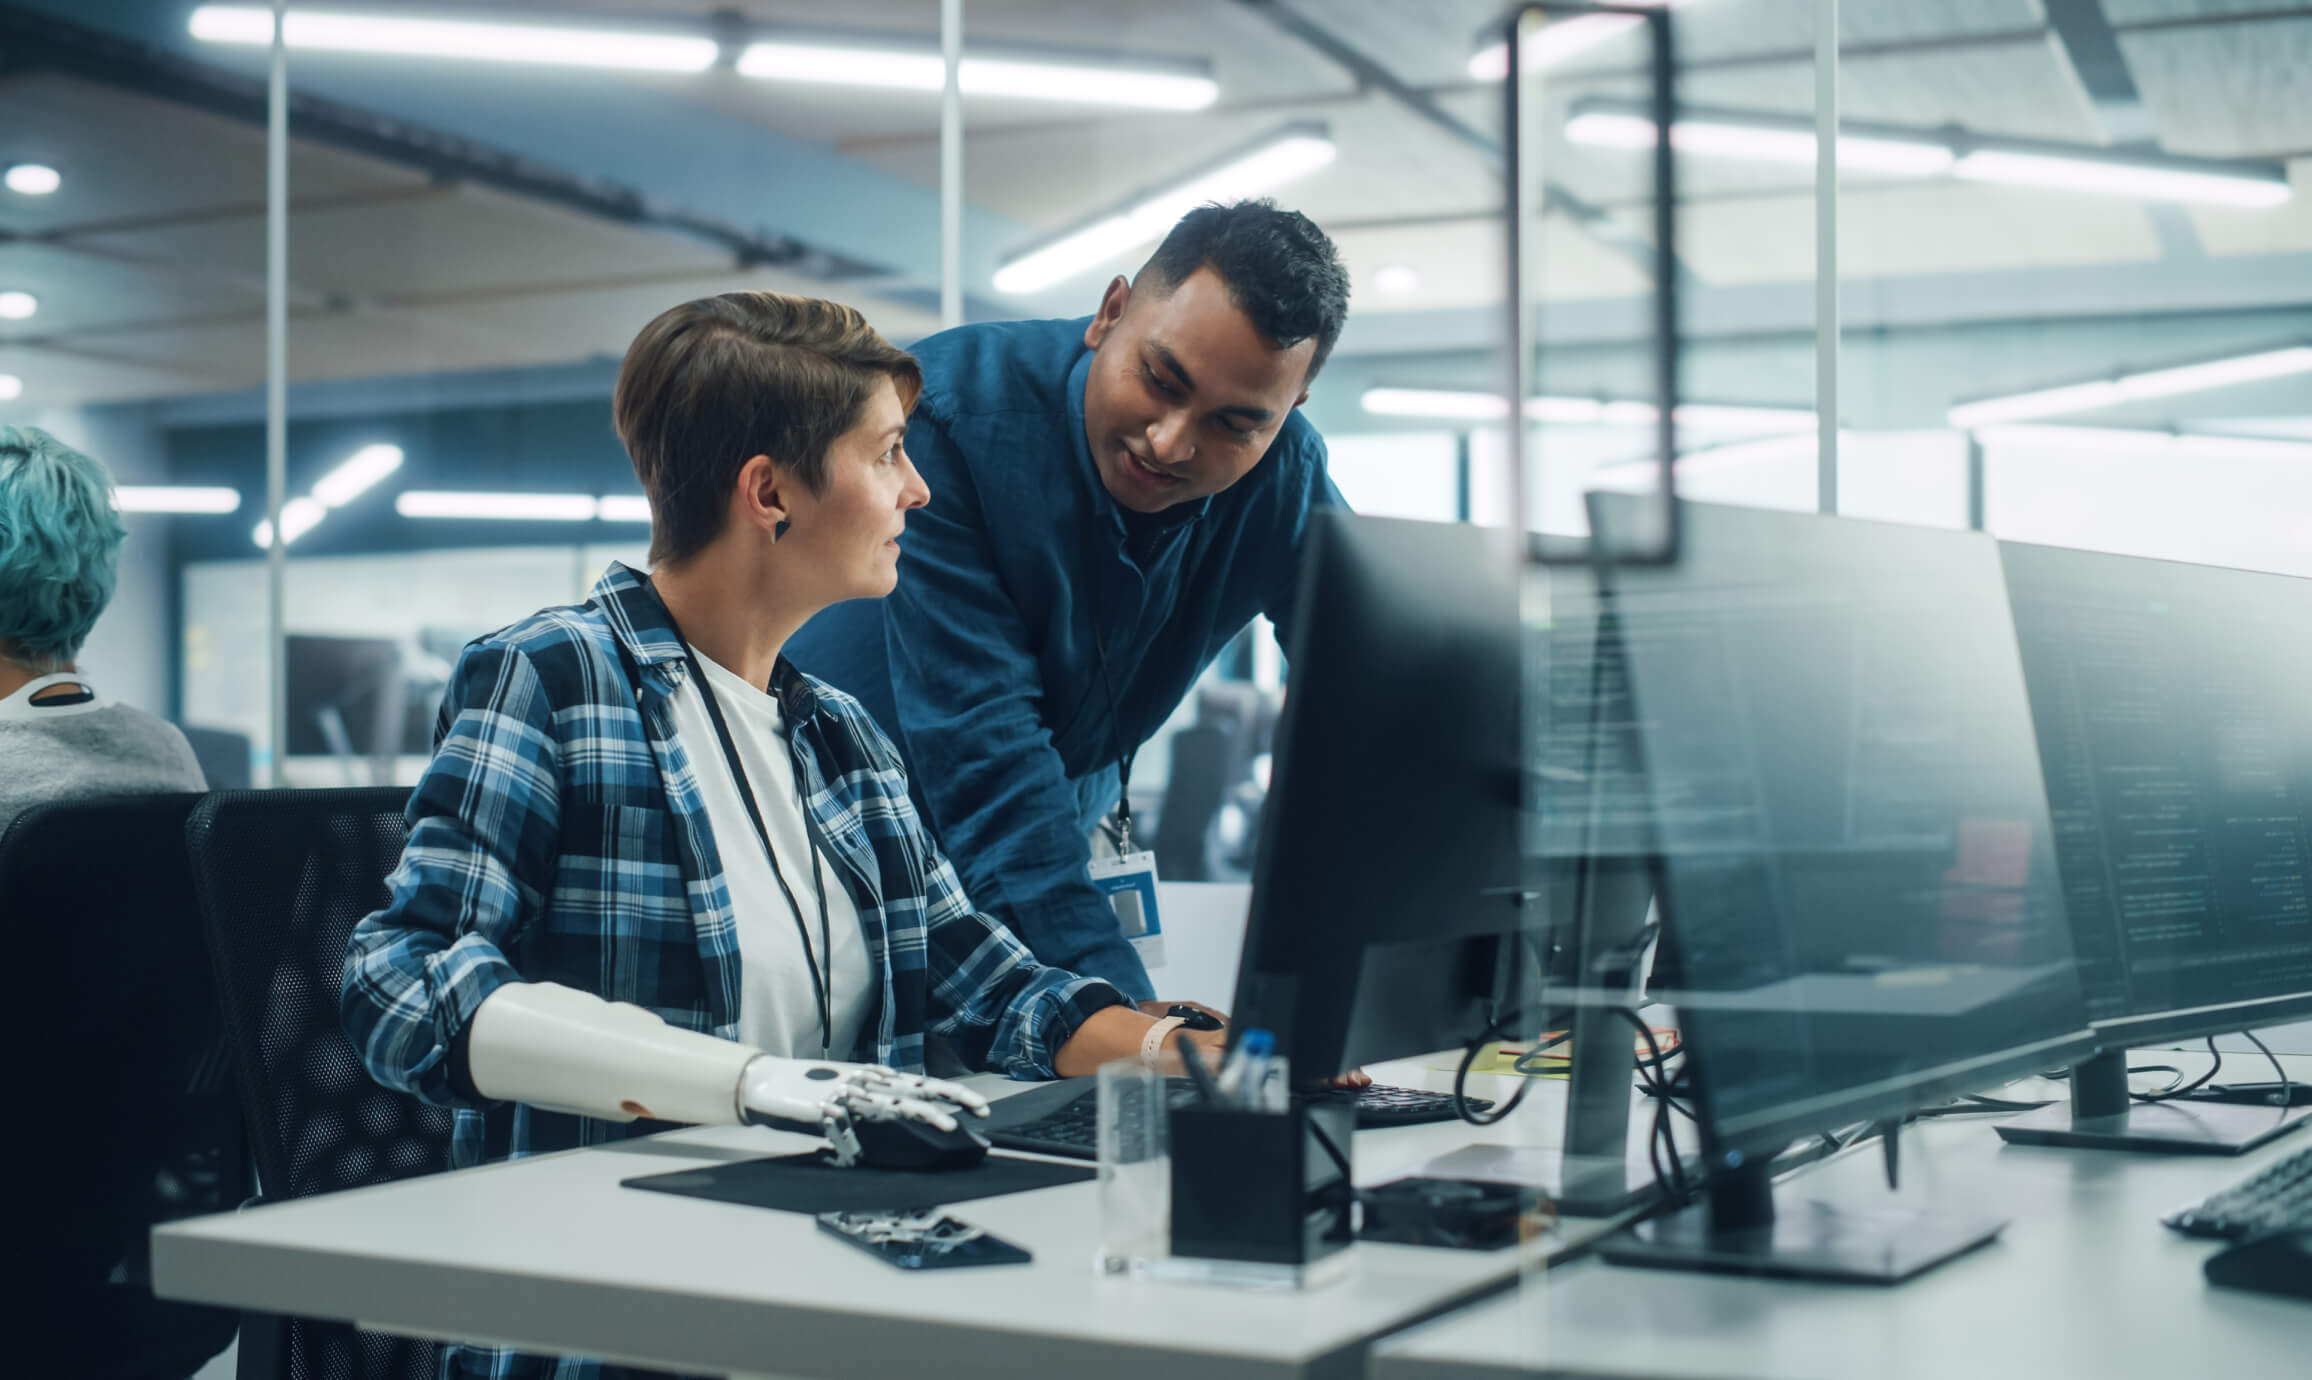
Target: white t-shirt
{"points": [[778, 1013]]}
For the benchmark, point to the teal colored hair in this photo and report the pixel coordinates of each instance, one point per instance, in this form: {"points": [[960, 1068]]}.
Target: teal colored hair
{"points": [[59, 547]]}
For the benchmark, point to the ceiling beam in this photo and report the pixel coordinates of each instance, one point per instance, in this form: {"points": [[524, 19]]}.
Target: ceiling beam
{"points": [[1371, 75], [2084, 34], [31, 41]]}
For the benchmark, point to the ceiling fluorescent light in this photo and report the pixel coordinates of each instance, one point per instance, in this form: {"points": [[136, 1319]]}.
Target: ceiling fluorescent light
{"points": [[32, 179], [2133, 387], [420, 503], [623, 508], [1270, 161], [1447, 404], [1022, 74], [11, 388], [361, 470], [1455, 405], [1761, 137], [298, 516], [2146, 181], [1759, 143], [17, 306], [409, 36], [165, 498], [1559, 41]]}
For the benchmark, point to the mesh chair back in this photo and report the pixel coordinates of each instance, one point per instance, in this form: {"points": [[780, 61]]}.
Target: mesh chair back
{"points": [[123, 1055], [283, 877]]}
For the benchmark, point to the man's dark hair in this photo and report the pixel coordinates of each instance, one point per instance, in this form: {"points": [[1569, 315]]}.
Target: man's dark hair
{"points": [[1281, 270], [711, 383]]}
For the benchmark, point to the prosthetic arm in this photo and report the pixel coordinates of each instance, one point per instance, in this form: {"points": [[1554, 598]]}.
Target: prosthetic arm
{"points": [[570, 1051]]}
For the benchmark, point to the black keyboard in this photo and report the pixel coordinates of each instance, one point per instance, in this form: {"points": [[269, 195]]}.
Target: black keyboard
{"points": [[1071, 1127], [2277, 1198]]}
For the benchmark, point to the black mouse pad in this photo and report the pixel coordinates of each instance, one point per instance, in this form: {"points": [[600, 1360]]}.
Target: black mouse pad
{"points": [[808, 1183]]}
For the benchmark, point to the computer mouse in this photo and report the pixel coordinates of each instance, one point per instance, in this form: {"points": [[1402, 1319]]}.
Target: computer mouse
{"points": [[917, 1145], [2277, 1263]]}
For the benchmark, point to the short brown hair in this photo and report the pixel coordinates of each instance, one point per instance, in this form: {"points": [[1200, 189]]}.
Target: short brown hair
{"points": [[712, 383]]}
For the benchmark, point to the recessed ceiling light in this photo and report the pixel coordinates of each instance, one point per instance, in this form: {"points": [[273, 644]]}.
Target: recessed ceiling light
{"points": [[1396, 279], [32, 179], [11, 387], [15, 306]]}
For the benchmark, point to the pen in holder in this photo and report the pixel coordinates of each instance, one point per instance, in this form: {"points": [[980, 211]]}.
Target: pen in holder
{"points": [[1262, 1195]]}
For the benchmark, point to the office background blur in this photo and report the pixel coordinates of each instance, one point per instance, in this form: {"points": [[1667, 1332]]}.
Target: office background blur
{"points": [[472, 243]]}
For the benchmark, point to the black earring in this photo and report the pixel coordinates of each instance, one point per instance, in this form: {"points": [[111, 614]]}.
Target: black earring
{"points": [[779, 530]]}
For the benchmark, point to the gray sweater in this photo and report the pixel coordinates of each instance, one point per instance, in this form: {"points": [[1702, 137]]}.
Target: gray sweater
{"points": [[111, 750]]}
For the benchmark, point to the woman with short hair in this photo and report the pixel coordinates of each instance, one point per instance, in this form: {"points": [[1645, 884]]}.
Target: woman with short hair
{"points": [[656, 873], [61, 737]]}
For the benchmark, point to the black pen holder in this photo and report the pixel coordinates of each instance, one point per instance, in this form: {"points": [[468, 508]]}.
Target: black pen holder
{"points": [[1266, 1188]]}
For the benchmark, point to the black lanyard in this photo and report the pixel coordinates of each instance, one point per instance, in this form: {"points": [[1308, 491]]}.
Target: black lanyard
{"points": [[822, 980], [1116, 744], [1123, 836]]}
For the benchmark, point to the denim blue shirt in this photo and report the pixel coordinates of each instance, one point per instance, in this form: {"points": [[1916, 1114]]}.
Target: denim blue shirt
{"points": [[984, 667]]}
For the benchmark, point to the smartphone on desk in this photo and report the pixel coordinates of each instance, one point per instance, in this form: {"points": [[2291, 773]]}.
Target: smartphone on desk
{"points": [[925, 1239]]}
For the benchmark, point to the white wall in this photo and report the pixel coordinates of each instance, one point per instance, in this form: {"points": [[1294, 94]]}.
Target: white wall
{"points": [[1406, 474]]}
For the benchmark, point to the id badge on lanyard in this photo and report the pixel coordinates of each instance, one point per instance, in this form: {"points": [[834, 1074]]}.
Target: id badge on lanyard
{"points": [[1128, 880]]}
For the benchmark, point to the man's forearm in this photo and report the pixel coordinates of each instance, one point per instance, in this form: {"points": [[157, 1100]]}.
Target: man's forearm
{"points": [[1115, 1032]]}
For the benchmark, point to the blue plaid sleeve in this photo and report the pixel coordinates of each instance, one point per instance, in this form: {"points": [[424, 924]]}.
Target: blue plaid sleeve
{"points": [[480, 857], [990, 998]]}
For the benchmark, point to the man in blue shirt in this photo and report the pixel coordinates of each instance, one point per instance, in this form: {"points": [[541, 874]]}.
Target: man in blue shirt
{"points": [[1112, 500]]}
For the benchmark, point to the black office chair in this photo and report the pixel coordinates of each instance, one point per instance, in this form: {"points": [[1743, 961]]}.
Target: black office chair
{"points": [[121, 1072], [283, 877]]}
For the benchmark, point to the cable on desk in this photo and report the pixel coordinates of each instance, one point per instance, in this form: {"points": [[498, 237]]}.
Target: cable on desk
{"points": [[1660, 1140], [2287, 1084], [2171, 1093]]}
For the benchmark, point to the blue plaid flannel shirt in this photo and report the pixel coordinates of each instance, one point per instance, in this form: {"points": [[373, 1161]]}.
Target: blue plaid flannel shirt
{"points": [[558, 836]]}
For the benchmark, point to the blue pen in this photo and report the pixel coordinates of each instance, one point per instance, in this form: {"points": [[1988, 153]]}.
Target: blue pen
{"points": [[1247, 1068]]}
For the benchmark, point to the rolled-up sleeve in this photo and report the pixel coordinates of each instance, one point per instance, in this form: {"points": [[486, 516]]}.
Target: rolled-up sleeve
{"points": [[477, 867]]}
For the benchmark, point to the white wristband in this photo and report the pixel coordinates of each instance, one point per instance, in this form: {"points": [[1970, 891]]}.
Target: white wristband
{"points": [[1152, 1043]]}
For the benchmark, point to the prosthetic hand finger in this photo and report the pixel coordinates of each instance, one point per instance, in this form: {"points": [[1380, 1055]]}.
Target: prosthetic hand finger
{"points": [[871, 1105], [916, 1086]]}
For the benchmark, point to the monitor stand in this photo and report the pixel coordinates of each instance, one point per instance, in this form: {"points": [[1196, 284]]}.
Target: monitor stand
{"points": [[1736, 1229], [2101, 1116]]}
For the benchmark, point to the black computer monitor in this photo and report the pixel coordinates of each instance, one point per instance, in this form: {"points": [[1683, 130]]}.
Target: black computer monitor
{"points": [[2174, 712], [1860, 896], [1387, 916]]}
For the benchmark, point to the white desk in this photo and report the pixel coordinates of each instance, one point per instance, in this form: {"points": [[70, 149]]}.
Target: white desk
{"points": [[551, 1254], [2084, 1282]]}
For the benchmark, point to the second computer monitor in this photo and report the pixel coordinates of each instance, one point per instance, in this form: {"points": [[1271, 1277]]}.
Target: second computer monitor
{"points": [[2174, 712], [1386, 911], [1860, 893]]}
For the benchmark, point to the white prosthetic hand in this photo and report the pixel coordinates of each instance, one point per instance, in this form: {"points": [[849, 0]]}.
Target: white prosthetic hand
{"points": [[570, 1051]]}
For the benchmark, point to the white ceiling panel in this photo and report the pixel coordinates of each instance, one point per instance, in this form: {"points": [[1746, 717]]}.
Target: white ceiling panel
{"points": [[1459, 264], [1952, 228], [2228, 91], [1904, 231], [603, 320], [2283, 229], [131, 157], [57, 378], [2124, 12], [448, 239], [1389, 163], [78, 291]]}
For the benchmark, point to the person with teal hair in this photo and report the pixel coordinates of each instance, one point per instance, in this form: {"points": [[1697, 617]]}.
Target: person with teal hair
{"points": [[60, 736]]}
